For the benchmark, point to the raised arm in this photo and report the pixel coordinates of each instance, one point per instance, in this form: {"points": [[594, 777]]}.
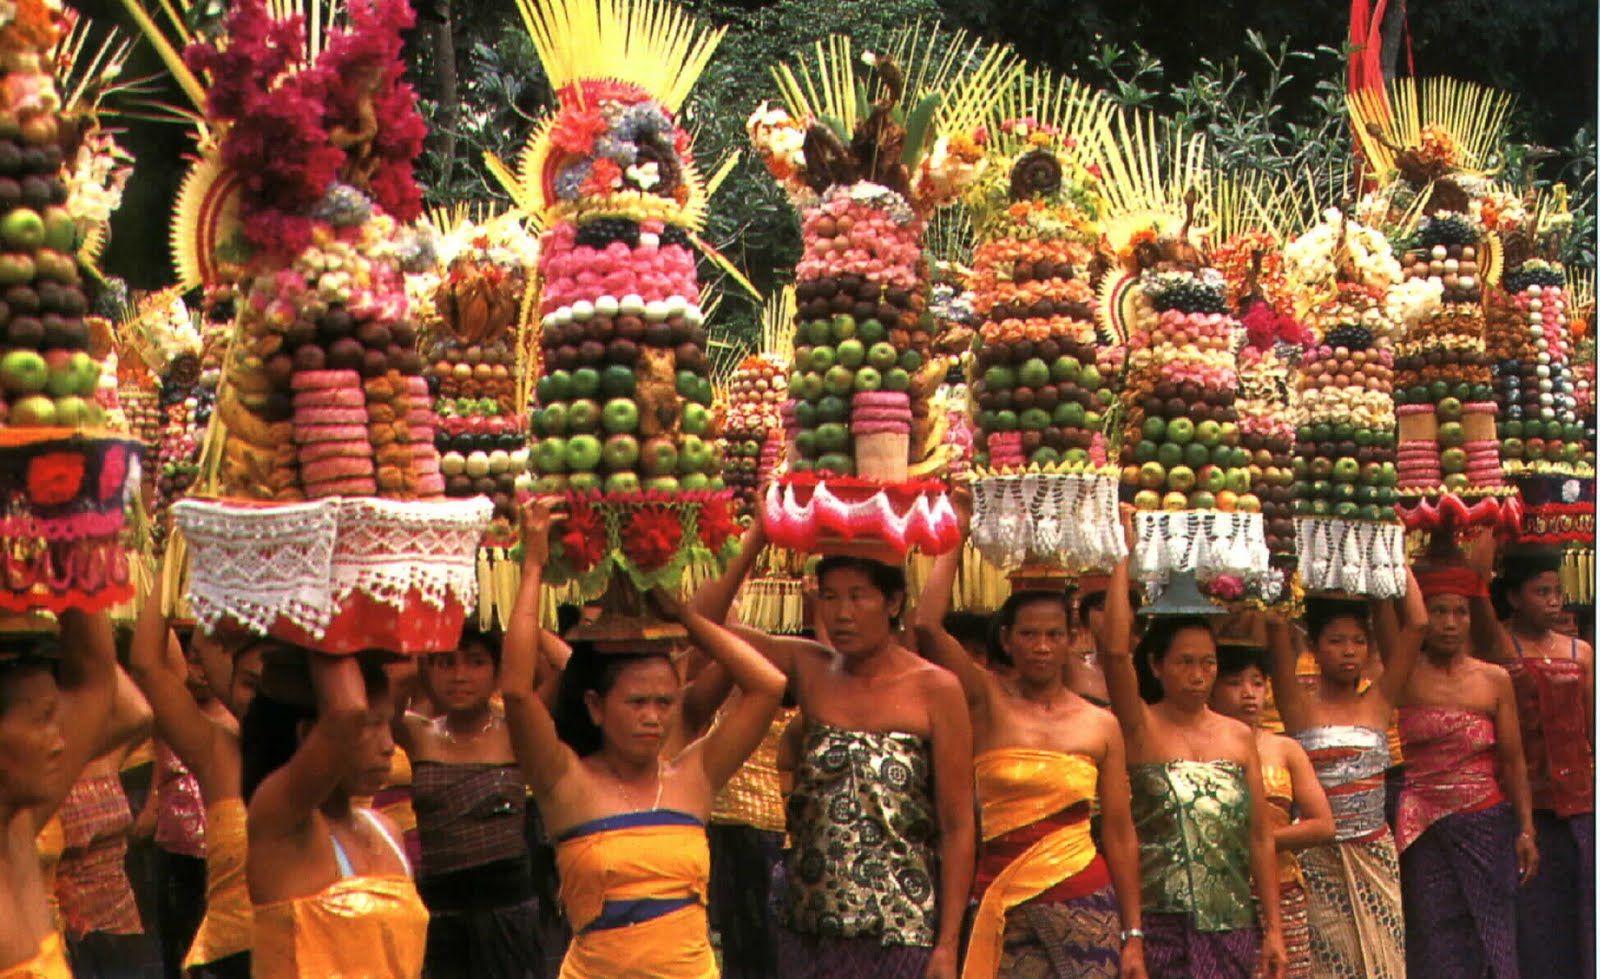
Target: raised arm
{"points": [[88, 689], [715, 598], [1314, 825], [1413, 626], [285, 799], [1120, 842], [748, 717], [542, 755], [179, 720], [554, 653], [1292, 699], [1264, 869], [1122, 679], [1514, 773], [952, 784]]}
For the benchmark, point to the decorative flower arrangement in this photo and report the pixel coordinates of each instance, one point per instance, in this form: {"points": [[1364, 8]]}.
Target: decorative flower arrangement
{"points": [[653, 538], [1273, 344], [1315, 259], [754, 425]]}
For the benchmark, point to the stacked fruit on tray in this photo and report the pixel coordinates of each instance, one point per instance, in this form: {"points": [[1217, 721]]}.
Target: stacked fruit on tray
{"points": [[139, 394], [1444, 411], [1266, 422], [858, 346], [1181, 446], [624, 403], [1345, 441], [1540, 428], [753, 427], [480, 433]]}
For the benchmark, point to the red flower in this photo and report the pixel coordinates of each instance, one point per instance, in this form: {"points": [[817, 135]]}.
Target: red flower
{"points": [[576, 130], [716, 524], [113, 472], [584, 542], [54, 478], [651, 537], [604, 177]]}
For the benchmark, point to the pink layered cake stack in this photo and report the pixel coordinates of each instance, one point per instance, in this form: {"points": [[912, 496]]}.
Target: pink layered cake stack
{"points": [[330, 433], [880, 423], [423, 422]]}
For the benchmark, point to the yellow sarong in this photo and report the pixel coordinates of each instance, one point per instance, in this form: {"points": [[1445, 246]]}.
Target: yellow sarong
{"points": [[1018, 787], [634, 889], [50, 963], [374, 927], [227, 926]]}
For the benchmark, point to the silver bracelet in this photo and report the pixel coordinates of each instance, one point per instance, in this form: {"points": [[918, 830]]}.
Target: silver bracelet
{"points": [[1130, 934]]}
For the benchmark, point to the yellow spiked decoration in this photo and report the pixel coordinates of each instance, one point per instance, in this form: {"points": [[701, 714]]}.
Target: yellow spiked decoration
{"points": [[1416, 127]]}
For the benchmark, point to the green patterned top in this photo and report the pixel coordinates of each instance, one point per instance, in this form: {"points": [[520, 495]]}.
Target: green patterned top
{"points": [[1193, 821]]}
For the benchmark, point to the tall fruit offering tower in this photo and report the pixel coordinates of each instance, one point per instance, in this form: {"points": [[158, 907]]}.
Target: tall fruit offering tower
{"points": [[66, 478], [624, 424], [867, 146]]}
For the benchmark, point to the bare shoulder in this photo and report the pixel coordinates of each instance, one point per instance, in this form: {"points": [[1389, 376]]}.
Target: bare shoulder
{"points": [[1585, 654], [1493, 672], [936, 682], [1237, 734]]}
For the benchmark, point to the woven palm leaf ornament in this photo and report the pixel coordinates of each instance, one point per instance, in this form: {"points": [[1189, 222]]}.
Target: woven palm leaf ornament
{"points": [[868, 144]]}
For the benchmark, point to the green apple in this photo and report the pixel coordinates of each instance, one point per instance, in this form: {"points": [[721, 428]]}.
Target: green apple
{"points": [[694, 454], [696, 419], [851, 354], [837, 463], [1169, 454], [844, 326], [552, 419], [549, 456], [868, 379], [1034, 373], [997, 378], [623, 484], [695, 482], [1152, 475], [832, 437], [1005, 421], [1044, 456], [585, 482], [1180, 430], [1448, 410], [833, 408], [882, 356], [1034, 420], [620, 452], [617, 381], [911, 361], [839, 381], [1147, 499], [1212, 479], [822, 359], [1155, 429], [658, 457], [1175, 501], [1196, 455], [1181, 479], [1065, 369], [620, 415], [896, 379], [871, 331], [1208, 433], [663, 484], [1202, 500], [583, 416], [583, 453], [585, 382], [1145, 452], [805, 443]]}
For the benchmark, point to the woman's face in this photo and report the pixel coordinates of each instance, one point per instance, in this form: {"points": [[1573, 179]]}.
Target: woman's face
{"points": [[1341, 650], [857, 616], [637, 714], [31, 743], [1037, 641], [1538, 601], [462, 679], [374, 747], [1189, 669], [1449, 624], [1241, 695], [246, 680]]}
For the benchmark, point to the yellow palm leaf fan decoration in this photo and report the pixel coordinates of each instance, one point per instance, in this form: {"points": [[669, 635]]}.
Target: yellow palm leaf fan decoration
{"points": [[1419, 128], [778, 319]]}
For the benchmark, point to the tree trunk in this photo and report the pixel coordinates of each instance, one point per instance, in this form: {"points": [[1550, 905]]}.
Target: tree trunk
{"points": [[1394, 26], [444, 63]]}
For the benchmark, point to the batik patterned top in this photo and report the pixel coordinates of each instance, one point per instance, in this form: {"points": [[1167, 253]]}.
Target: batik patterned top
{"points": [[1350, 762], [1279, 786], [1193, 822], [1450, 767], [865, 837]]}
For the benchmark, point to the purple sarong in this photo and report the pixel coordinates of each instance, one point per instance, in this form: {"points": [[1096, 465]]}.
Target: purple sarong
{"points": [[815, 957], [1555, 910], [1175, 949], [1458, 884]]}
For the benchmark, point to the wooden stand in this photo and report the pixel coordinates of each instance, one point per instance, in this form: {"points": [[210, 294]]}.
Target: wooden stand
{"points": [[627, 623]]}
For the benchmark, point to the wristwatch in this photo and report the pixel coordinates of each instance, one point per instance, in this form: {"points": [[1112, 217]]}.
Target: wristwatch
{"points": [[1131, 934]]}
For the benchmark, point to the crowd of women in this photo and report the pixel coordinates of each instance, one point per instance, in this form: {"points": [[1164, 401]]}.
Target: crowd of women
{"points": [[1064, 791]]}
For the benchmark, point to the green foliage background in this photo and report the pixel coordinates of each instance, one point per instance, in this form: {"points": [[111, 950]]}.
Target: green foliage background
{"points": [[1262, 78]]}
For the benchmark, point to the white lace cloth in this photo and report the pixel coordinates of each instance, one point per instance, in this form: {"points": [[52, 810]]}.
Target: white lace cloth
{"points": [[1355, 556], [1206, 542], [1067, 519], [299, 561]]}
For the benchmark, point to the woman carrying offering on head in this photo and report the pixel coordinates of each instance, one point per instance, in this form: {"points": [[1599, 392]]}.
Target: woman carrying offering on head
{"points": [[881, 816], [1050, 903], [330, 881], [629, 823], [1353, 884], [1199, 804]]}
